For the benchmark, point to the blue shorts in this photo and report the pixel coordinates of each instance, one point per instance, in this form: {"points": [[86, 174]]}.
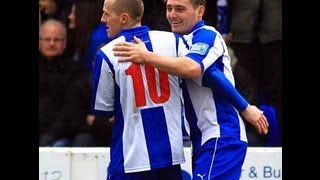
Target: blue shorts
{"points": [[167, 173], [219, 158]]}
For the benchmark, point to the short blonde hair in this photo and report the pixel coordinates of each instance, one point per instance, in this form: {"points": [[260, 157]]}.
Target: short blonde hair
{"points": [[134, 8]]}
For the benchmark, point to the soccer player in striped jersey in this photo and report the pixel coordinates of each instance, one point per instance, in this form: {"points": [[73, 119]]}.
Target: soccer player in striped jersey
{"points": [[212, 104], [147, 140]]}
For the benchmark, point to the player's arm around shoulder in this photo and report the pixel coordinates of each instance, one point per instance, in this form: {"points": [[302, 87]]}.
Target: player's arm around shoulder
{"points": [[138, 53]]}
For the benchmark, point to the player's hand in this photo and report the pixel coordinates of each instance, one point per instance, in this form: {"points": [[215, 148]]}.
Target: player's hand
{"points": [[131, 52], [256, 117]]}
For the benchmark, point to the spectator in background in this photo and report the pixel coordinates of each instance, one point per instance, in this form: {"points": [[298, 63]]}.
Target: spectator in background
{"points": [[151, 13], [84, 19], [64, 92], [256, 38], [223, 19], [87, 35], [48, 9], [98, 38], [210, 15], [63, 10], [57, 75], [162, 22], [154, 15]]}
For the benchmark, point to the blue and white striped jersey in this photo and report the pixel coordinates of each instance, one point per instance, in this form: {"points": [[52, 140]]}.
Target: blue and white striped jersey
{"points": [[146, 104], [208, 113]]}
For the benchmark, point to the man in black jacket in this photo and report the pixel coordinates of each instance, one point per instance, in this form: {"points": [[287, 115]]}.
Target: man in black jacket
{"points": [[64, 94]]}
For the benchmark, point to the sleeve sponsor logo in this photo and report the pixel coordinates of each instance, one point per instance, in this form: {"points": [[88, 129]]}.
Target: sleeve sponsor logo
{"points": [[199, 48]]}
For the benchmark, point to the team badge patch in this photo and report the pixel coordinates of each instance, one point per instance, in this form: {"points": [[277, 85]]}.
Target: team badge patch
{"points": [[199, 48]]}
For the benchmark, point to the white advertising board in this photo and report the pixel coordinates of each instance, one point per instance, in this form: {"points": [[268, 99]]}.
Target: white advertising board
{"points": [[54, 164], [91, 164]]}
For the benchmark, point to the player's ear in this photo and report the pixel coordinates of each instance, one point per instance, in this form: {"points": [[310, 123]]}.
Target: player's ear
{"points": [[124, 18], [200, 11]]}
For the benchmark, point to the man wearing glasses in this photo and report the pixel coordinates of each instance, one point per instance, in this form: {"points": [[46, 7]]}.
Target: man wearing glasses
{"points": [[64, 90]]}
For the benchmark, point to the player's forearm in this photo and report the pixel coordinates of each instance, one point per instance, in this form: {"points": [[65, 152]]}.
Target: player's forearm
{"points": [[222, 86], [178, 66]]}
